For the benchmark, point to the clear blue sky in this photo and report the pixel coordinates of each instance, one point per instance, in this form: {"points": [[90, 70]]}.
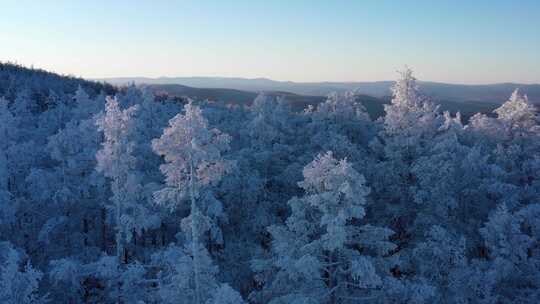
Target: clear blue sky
{"points": [[450, 41]]}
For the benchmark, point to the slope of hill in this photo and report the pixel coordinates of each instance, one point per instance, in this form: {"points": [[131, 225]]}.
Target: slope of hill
{"points": [[214, 94], [493, 93], [374, 105], [40, 83]]}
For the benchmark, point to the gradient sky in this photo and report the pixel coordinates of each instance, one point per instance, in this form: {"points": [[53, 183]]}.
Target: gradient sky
{"points": [[449, 41]]}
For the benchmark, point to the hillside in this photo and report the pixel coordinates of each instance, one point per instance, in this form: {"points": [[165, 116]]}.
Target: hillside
{"points": [[374, 105], [491, 93], [14, 78], [121, 200]]}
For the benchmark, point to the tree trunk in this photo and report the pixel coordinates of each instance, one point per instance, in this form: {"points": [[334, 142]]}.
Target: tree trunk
{"points": [[103, 230], [85, 231], [194, 236]]}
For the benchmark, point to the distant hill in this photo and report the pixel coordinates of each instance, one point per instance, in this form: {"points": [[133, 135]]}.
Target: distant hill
{"points": [[214, 94], [373, 105], [491, 93], [230, 96]]}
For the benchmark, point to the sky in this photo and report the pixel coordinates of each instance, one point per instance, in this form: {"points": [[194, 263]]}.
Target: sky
{"points": [[334, 40]]}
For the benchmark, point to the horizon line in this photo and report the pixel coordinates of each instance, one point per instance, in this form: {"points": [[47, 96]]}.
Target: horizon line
{"points": [[32, 66], [308, 82]]}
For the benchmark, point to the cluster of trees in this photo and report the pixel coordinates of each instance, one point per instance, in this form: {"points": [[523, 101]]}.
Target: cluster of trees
{"points": [[126, 198]]}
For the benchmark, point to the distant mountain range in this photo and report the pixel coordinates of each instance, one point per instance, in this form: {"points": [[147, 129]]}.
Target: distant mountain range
{"points": [[373, 105], [491, 93]]}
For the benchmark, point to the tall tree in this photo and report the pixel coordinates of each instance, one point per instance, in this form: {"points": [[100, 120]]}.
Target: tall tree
{"points": [[117, 162], [194, 163], [324, 254], [410, 123]]}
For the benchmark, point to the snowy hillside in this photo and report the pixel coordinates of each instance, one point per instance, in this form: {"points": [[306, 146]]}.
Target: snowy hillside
{"points": [[115, 196]]}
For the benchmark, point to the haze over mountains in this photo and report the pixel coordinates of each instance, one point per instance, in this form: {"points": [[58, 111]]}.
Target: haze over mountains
{"points": [[491, 93]]}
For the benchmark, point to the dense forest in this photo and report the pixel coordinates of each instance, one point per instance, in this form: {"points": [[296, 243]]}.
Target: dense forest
{"points": [[114, 195]]}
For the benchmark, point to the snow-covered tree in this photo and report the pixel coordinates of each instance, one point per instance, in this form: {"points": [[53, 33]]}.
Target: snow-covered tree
{"points": [[340, 124], [513, 258], [19, 281], [323, 254], [408, 128], [24, 107], [517, 120], [270, 131], [193, 164], [517, 115], [84, 283], [438, 259], [86, 107], [410, 115], [117, 162], [185, 276], [226, 295]]}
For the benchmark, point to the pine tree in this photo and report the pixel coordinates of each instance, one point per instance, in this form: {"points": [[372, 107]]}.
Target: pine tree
{"points": [[517, 115], [320, 256], [411, 115], [340, 124], [117, 162], [194, 163]]}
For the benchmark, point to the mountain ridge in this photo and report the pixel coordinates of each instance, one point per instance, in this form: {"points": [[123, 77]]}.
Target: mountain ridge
{"points": [[493, 93], [374, 105]]}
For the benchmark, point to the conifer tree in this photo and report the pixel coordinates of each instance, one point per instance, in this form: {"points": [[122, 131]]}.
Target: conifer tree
{"points": [[320, 256], [193, 165], [117, 162]]}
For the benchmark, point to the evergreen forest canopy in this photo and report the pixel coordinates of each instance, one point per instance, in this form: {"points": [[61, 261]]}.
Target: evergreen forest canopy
{"points": [[115, 196]]}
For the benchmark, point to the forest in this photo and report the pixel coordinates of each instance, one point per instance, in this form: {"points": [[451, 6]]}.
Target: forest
{"points": [[114, 195]]}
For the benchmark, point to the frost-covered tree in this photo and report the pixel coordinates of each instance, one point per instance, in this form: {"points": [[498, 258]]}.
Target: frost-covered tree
{"points": [[410, 115], [265, 162], [408, 128], [340, 124], [450, 181], [185, 275], [24, 108], [324, 254], [55, 115], [516, 120], [438, 260], [86, 107], [511, 139], [269, 120], [269, 130], [512, 240], [97, 281], [19, 281], [117, 162], [226, 295], [72, 186], [193, 164], [517, 115]]}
